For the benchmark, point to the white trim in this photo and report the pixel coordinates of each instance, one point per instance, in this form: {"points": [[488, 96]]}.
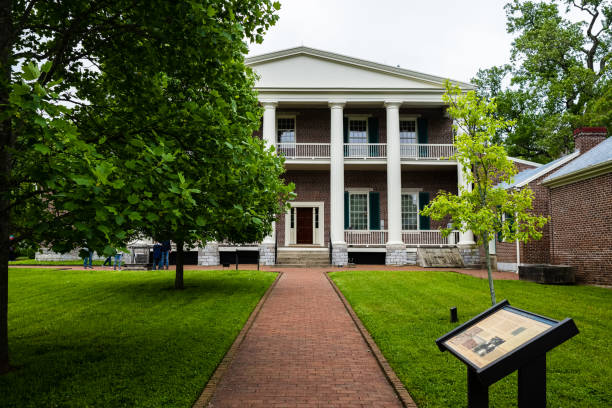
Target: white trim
{"points": [[547, 170], [319, 238], [418, 218], [360, 191], [579, 175], [523, 161], [286, 116], [374, 66]]}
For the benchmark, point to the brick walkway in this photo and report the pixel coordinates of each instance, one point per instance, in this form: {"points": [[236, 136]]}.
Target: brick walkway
{"points": [[304, 350]]}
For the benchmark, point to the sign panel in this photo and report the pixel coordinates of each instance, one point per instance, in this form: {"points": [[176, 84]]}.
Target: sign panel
{"points": [[496, 335]]}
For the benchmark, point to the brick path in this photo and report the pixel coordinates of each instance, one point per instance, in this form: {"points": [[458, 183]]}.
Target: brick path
{"points": [[304, 350]]}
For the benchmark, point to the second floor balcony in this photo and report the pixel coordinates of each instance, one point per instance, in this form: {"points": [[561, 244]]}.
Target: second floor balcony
{"points": [[366, 151]]}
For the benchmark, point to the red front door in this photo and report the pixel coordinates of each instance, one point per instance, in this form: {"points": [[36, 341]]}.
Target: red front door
{"points": [[304, 225]]}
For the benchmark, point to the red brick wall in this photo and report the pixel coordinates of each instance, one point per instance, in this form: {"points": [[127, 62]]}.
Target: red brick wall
{"points": [[582, 228], [314, 186], [587, 138]]}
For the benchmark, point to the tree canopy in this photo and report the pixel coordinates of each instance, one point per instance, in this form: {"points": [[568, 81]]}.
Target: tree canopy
{"points": [[124, 116], [486, 210], [559, 76]]}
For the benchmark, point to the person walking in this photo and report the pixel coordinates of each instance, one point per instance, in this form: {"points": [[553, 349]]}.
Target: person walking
{"points": [[107, 261], [157, 253], [87, 256], [165, 256], [118, 257]]}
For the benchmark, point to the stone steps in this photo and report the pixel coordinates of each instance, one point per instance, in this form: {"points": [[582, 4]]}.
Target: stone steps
{"points": [[302, 258], [439, 257]]}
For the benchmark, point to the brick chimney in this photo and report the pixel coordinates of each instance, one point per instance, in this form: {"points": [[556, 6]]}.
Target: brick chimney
{"points": [[586, 138]]}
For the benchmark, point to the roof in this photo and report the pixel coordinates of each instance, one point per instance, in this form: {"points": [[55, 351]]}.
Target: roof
{"points": [[353, 62], [527, 176], [598, 158], [523, 161]]}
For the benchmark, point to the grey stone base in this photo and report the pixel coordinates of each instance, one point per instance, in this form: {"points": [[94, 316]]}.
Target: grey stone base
{"points": [[45, 254], [411, 256], [209, 255], [470, 256], [507, 267], [340, 255], [396, 255], [266, 254]]}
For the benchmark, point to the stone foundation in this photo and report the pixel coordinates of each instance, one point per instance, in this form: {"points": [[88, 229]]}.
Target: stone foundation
{"points": [[209, 255], [550, 274], [470, 256], [44, 254], [411, 256], [266, 254], [396, 255], [340, 255]]}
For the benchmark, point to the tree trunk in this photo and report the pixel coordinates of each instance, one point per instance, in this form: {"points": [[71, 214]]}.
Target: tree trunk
{"points": [[490, 275], [7, 140], [178, 280]]}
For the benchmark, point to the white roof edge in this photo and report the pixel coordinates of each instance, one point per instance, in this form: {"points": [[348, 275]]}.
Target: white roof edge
{"points": [[523, 161], [549, 169], [354, 61], [580, 174]]}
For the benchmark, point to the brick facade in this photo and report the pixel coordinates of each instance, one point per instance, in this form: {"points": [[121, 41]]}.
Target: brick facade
{"points": [[587, 138], [582, 228]]}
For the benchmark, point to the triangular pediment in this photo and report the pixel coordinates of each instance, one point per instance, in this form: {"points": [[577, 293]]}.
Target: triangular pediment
{"points": [[307, 68]]}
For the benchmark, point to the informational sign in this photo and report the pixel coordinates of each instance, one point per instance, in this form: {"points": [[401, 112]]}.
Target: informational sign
{"points": [[496, 335]]}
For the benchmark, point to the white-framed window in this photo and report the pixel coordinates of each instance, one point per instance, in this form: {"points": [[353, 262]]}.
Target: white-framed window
{"points": [[357, 133], [408, 137], [410, 211], [358, 210], [285, 129]]}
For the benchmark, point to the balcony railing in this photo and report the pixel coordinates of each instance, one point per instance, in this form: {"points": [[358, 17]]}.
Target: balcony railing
{"points": [[304, 150], [410, 238], [434, 237], [426, 151], [365, 238], [365, 150]]}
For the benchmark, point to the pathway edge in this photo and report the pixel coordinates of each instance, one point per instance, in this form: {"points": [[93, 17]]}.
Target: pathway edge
{"points": [[211, 385], [401, 391]]}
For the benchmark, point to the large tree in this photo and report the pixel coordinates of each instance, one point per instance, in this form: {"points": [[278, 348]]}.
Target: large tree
{"points": [[486, 209], [559, 76], [93, 100]]}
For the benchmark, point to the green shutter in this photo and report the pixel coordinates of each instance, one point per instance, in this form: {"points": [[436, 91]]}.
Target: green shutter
{"points": [[423, 201], [374, 210], [422, 136], [345, 129], [346, 210], [373, 136]]}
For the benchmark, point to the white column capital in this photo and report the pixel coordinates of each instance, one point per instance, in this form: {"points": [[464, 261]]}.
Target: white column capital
{"points": [[336, 104], [392, 104], [269, 104]]}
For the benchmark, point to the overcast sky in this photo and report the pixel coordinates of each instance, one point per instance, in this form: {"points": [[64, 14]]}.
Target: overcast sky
{"points": [[448, 38]]}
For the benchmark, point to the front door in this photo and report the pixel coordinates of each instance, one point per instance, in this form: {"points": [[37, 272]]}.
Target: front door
{"points": [[304, 225]]}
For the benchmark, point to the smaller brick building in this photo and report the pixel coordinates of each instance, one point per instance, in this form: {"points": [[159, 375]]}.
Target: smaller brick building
{"points": [[575, 191]]}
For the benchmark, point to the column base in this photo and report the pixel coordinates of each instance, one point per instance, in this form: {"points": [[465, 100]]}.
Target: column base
{"points": [[266, 254], [396, 254], [209, 255], [470, 255], [340, 254]]}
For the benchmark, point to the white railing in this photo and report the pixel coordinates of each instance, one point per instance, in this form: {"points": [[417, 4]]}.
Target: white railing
{"points": [[434, 237], [304, 150], [426, 151], [365, 150], [358, 237]]}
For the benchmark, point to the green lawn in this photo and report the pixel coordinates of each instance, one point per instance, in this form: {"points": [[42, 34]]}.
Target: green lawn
{"points": [[115, 339], [406, 311]]}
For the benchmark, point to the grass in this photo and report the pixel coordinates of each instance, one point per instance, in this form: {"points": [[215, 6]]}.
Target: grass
{"points": [[121, 339], [26, 261], [405, 312]]}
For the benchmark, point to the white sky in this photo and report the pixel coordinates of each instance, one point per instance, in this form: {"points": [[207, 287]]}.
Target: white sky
{"points": [[448, 38]]}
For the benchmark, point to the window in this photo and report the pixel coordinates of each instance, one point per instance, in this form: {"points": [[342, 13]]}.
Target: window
{"points": [[358, 211], [358, 133], [408, 136], [285, 130], [316, 209], [410, 211]]}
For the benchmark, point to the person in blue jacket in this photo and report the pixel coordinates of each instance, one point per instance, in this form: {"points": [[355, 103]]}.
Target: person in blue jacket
{"points": [[165, 255], [157, 253]]}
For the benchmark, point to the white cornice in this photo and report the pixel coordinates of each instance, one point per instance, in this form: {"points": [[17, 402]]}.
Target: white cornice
{"points": [[527, 162], [436, 80], [578, 175]]}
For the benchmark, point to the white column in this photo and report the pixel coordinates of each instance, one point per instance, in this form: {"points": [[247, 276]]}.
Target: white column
{"points": [[336, 174], [467, 237], [394, 175], [269, 137]]}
